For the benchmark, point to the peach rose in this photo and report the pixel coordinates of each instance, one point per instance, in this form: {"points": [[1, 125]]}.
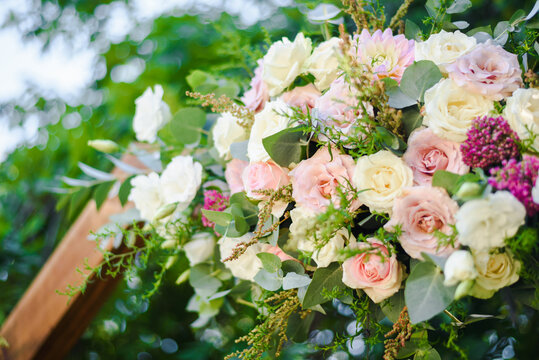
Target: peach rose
{"points": [[263, 176], [303, 97], [338, 107], [427, 153], [374, 271], [256, 97], [275, 250], [233, 172], [488, 70], [315, 180], [420, 211]]}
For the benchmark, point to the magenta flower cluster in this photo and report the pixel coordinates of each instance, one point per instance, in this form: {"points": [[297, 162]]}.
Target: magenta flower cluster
{"points": [[518, 178], [216, 201], [490, 141]]}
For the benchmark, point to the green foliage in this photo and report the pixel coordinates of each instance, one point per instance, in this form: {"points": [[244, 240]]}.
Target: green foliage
{"points": [[425, 293], [418, 78], [328, 279], [286, 146]]}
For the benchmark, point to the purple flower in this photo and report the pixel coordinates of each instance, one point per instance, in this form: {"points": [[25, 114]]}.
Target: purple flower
{"points": [[216, 201], [518, 178], [490, 141]]}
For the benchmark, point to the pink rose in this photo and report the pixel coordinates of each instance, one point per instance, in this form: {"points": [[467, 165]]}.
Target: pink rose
{"points": [[315, 180], [427, 153], [257, 96], [374, 271], [263, 176], [488, 70], [233, 172], [420, 211], [302, 97], [275, 250]]}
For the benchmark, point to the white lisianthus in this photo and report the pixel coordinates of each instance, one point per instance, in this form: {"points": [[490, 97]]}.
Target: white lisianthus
{"points": [[199, 248], [380, 178], [146, 194], [495, 271], [459, 267], [324, 63], [483, 224], [226, 132], [151, 114], [522, 113], [444, 47], [180, 181], [329, 252], [284, 61], [267, 122], [450, 109], [247, 265]]}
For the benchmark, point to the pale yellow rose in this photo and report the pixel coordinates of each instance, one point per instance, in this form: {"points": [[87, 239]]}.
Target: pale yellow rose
{"points": [[522, 113], [495, 271]]}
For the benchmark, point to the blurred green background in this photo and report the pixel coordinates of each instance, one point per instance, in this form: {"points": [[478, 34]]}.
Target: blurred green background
{"points": [[139, 50]]}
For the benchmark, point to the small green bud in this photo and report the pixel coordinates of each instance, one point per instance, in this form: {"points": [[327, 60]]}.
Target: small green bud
{"points": [[463, 289], [468, 189], [106, 146]]}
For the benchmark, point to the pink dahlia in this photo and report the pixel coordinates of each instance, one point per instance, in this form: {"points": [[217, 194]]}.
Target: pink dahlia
{"points": [[518, 178], [216, 201], [490, 141], [388, 55]]}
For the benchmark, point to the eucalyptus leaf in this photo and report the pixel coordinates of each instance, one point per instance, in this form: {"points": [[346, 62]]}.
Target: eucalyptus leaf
{"points": [[398, 99], [270, 262], [95, 173], [101, 192], [202, 281], [125, 190], [285, 147], [292, 266], [238, 150], [425, 293], [292, 281], [459, 6], [418, 78], [298, 327], [411, 120], [270, 281], [446, 180], [218, 217], [328, 279], [392, 307], [412, 30], [186, 125]]}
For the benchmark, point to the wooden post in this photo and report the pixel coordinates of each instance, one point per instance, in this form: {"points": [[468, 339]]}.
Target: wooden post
{"points": [[43, 325]]}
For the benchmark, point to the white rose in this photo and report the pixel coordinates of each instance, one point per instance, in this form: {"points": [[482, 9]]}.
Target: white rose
{"points": [[450, 109], [180, 181], [444, 48], [199, 248], [522, 113], [284, 61], [151, 114], [303, 221], [324, 63], [483, 224], [495, 271], [380, 178], [329, 252], [146, 194], [226, 132], [247, 265], [459, 267], [267, 122]]}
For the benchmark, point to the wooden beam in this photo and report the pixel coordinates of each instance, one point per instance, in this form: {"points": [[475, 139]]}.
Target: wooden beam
{"points": [[43, 325]]}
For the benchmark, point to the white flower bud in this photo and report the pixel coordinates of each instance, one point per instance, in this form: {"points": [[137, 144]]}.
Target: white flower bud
{"points": [[459, 267], [106, 146]]}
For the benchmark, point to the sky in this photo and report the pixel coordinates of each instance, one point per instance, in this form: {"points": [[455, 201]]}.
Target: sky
{"points": [[64, 70]]}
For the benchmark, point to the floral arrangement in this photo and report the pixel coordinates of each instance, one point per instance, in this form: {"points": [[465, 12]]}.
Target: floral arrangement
{"points": [[390, 171]]}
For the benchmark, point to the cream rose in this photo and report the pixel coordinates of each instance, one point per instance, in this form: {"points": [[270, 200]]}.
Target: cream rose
{"points": [[522, 113], [180, 181], [267, 122], [226, 132], [303, 222], [151, 114], [247, 265], [486, 223], [495, 271], [444, 48], [450, 109], [324, 63], [199, 248], [330, 251], [374, 271], [380, 178], [146, 194], [284, 61], [459, 267]]}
